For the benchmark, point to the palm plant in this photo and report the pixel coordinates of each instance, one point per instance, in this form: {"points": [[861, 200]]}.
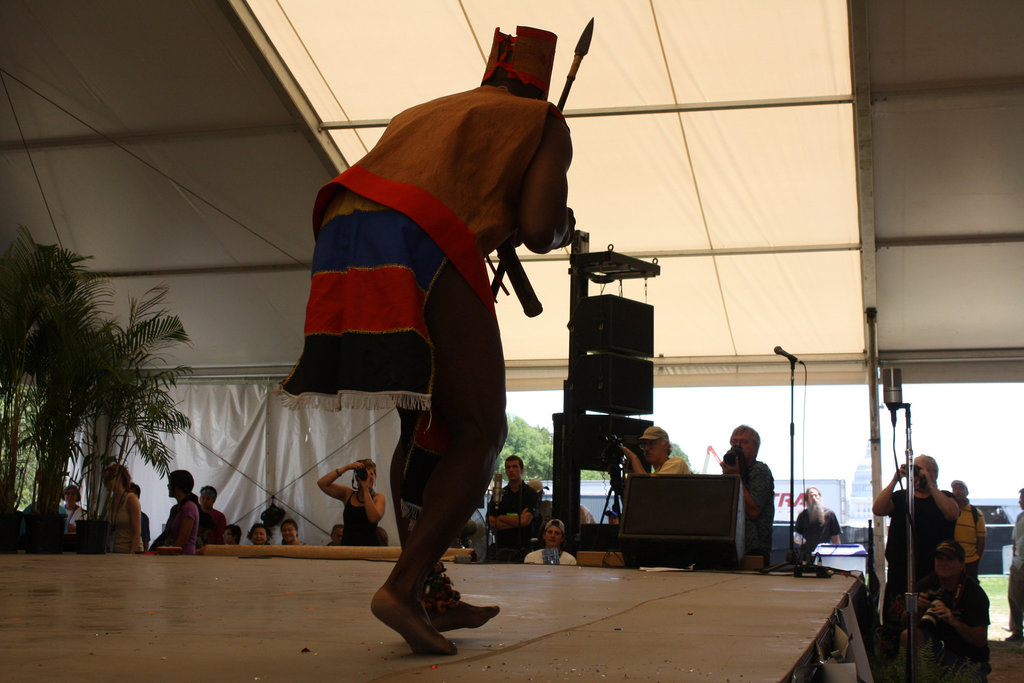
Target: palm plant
{"points": [[48, 312], [132, 408]]}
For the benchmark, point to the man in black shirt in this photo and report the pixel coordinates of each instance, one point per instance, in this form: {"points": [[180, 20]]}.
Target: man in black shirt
{"points": [[512, 516], [953, 612]]}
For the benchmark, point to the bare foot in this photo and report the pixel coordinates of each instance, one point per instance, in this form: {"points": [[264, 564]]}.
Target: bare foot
{"points": [[411, 622], [463, 615]]}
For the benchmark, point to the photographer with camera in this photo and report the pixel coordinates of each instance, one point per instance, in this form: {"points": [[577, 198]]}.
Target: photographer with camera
{"points": [[935, 514], [952, 609], [758, 489], [657, 449], [364, 508]]}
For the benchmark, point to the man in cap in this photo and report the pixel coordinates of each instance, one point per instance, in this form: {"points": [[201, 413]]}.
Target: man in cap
{"points": [[952, 609], [970, 528], [400, 312], [758, 486], [657, 450]]}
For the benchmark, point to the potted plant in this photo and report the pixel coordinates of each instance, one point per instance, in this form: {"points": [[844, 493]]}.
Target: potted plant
{"points": [[47, 309], [132, 408]]}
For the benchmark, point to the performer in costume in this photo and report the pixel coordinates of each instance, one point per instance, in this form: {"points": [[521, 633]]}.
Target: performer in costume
{"points": [[400, 312]]}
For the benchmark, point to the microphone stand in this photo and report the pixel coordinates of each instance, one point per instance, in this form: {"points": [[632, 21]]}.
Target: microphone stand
{"points": [[911, 594]]}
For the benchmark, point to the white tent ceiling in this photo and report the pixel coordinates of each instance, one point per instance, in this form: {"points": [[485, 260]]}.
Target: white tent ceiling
{"points": [[783, 185]]}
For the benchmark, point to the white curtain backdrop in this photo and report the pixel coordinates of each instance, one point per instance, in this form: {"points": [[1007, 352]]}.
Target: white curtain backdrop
{"points": [[251, 448]]}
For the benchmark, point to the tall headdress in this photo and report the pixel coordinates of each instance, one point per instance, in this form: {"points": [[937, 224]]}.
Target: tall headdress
{"points": [[527, 56]]}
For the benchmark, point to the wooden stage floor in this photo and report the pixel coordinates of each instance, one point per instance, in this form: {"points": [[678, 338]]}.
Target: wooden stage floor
{"points": [[187, 619]]}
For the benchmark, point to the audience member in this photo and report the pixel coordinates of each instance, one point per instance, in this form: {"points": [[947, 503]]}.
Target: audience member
{"points": [[183, 526], [935, 513], [232, 534], [124, 512], [143, 517], [336, 534], [72, 508], [258, 534], [952, 609], [552, 553], [290, 533], [970, 528], [758, 486], [1015, 588], [816, 524], [657, 451], [364, 508], [207, 497], [512, 516]]}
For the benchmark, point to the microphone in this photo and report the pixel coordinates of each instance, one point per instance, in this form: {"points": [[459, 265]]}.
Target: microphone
{"points": [[892, 390], [779, 351]]}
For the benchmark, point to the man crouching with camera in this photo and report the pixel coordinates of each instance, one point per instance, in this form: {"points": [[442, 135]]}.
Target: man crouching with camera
{"points": [[952, 609]]}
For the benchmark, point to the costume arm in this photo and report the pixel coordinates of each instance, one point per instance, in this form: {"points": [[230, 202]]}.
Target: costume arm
{"points": [[544, 221], [185, 530]]}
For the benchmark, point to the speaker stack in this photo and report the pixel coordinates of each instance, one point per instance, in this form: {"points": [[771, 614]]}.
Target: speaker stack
{"points": [[613, 375]]}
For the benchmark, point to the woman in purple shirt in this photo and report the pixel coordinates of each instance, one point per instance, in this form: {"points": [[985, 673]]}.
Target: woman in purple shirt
{"points": [[183, 527]]}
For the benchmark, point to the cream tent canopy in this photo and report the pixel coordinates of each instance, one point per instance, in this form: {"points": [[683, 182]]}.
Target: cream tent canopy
{"points": [[790, 164]]}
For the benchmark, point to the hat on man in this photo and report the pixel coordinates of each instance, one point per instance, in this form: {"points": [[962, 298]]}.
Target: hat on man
{"points": [[950, 548], [653, 434]]}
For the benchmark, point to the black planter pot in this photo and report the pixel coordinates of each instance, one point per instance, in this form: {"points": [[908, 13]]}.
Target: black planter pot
{"points": [[10, 531], [92, 536], [44, 534]]}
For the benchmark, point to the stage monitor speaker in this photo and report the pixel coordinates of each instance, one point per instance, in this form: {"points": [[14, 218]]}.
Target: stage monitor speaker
{"points": [[589, 445], [610, 383], [683, 520], [612, 323]]}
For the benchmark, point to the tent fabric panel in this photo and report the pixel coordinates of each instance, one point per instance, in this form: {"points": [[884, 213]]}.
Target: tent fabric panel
{"points": [[96, 60], [776, 177], [807, 303], [949, 166], [920, 42], [638, 166], [775, 49], [951, 297], [225, 223], [244, 320]]}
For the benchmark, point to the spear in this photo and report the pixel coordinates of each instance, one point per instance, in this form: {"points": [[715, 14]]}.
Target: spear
{"points": [[508, 258]]}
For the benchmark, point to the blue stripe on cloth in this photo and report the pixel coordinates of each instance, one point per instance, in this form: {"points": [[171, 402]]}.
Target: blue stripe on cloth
{"points": [[369, 239]]}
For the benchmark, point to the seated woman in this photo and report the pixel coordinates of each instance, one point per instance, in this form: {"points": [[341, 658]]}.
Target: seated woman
{"points": [[72, 508], [232, 534], [124, 511], [290, 533], [554, 537], [183, 526], [258, 534], [364, 508]]}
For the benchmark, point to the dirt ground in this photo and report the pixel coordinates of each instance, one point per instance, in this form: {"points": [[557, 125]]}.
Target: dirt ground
{"points": [[1007, 658]]}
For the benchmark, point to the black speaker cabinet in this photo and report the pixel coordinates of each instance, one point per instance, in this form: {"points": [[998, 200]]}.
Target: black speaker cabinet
{"points": [[612, 323], [683, 520], [588, 444], [610, 383]]}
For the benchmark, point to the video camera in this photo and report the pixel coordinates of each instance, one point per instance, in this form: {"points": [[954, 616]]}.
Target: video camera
{"points": [[733, 456]]}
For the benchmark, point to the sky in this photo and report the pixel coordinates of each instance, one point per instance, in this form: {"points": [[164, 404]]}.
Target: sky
{"points": [[963, 426]]}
